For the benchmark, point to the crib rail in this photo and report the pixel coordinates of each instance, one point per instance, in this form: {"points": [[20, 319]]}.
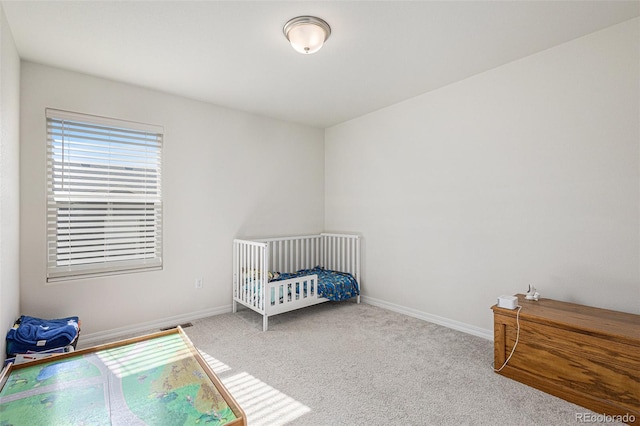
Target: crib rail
{"points": [[290, 254], [295, 293], [340, 252]]}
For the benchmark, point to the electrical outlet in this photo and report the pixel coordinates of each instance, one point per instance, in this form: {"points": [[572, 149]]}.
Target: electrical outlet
{"points": [[198, 283]]}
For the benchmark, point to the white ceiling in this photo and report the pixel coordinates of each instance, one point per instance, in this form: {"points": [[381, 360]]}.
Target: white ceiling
{"points": [[233, 53]]}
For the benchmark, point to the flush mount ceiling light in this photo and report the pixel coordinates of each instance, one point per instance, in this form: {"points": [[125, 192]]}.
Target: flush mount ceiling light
{"points": [[306, 34]]}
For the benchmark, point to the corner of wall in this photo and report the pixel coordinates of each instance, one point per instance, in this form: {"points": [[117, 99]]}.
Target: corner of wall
{"points": [[9, 180]]}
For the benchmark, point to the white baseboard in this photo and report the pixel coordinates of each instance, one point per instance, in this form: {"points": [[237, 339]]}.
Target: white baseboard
{"points": [[87, 340], [446, 322]]}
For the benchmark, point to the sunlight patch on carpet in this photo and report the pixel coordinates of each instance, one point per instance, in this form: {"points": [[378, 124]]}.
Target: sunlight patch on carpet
{"points": [[263, 404]]}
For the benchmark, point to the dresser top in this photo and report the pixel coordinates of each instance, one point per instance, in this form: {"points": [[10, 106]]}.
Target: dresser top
{"points": [[580, 318]]}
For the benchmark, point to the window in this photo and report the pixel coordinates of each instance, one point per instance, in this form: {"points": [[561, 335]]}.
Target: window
{"points": [[104, 203]]}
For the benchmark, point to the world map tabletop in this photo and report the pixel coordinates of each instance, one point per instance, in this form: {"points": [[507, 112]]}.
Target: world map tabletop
{"points": [[159, 379]]}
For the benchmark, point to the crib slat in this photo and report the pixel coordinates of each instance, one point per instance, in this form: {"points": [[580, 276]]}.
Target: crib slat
{"points": [[250, 269]]}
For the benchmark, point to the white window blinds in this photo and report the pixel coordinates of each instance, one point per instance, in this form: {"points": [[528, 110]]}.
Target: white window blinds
{"points": [[104, 198]]}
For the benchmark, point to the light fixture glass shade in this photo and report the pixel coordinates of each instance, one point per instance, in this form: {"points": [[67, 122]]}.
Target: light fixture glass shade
{"points": [[307, 34]]}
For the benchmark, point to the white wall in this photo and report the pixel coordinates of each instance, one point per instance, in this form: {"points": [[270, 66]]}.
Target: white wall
{"points": [[525, 174], [223, 177], [9, 181]]}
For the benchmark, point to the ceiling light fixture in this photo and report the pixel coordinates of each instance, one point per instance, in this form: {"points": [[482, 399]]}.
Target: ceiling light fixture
{"points": [[306, 34]]}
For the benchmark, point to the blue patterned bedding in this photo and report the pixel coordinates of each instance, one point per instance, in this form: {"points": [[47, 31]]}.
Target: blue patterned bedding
{"points": [[332, 285]]}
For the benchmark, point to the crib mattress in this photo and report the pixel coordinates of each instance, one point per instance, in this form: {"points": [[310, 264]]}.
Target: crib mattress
{"points": [[332, 285]]}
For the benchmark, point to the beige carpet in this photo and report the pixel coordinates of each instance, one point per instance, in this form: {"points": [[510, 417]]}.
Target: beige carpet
{"points": [[348, 364]]}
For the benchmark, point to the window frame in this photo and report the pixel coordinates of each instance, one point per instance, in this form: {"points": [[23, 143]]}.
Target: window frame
{"points": [[119, 185]]}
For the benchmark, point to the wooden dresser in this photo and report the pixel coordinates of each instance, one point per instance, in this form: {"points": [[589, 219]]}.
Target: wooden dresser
{"points": [[585, 355]]}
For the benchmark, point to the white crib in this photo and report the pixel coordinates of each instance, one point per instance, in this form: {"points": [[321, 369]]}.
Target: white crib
{"points": [[254, 260]]}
